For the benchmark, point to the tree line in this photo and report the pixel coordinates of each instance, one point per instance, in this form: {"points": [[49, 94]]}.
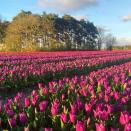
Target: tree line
{"points": [[124, 47], [34, 32]]}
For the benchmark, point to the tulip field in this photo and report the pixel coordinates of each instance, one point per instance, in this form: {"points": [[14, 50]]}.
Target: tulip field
{"points": [[65, 91]]}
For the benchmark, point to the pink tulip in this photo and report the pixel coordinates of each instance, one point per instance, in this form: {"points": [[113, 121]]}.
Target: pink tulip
{"points": [[43, 105], [64, 117], [63, 97], [124, 118], [45, 91], [74, 109], [88, 108], [127, 127], [48, 129], [27, 102], [55, 107], [100, 127], [54, 110], [80, 126], [73, 118], [116, 95], [40, 85]]}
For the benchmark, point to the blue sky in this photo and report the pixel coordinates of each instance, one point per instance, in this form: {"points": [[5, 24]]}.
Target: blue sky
{"points": [[113, 15]]}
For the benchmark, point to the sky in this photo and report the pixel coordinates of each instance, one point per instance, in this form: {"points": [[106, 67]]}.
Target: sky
{"points": [[112, 15]]}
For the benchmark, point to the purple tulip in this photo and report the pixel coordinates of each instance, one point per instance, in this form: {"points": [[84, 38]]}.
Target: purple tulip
{"points": [[12, 122], [10, 113], [43, 105], [10, 101], [79, 104], [23, 118], [7, 106]]}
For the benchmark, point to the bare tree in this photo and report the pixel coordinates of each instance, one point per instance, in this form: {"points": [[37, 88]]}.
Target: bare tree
{"points": [[110, 41], [101, 32]]}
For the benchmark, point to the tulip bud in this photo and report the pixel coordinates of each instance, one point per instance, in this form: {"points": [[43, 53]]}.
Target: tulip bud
{"points": [[10, 113], [54, 110], [88, 108], [23, 118], [100, 127], [26, 129], [45, 91], [124, 118], [127, 127], [12, 122], [113, 129], [27, 102], [74, 109], [80, 126], [43, 105], [40, 85], [48, 129], [64, 117], [72, 118], [63, 97]]}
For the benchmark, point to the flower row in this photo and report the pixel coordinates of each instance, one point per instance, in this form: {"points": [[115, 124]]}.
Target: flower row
{"points": [[99, 101], [21, 74]]}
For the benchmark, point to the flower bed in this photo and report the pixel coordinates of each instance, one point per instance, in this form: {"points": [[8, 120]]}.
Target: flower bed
{"points": [[18, 71], [99, 101]]}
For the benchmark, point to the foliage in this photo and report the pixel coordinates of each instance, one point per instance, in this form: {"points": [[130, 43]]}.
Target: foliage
{"points": [[28, 31]]}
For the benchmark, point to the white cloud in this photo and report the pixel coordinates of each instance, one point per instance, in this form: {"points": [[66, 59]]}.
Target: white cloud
{"points": [[103, 29], [79, 17], [124, 41], [67, 5], [127, 18]]}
